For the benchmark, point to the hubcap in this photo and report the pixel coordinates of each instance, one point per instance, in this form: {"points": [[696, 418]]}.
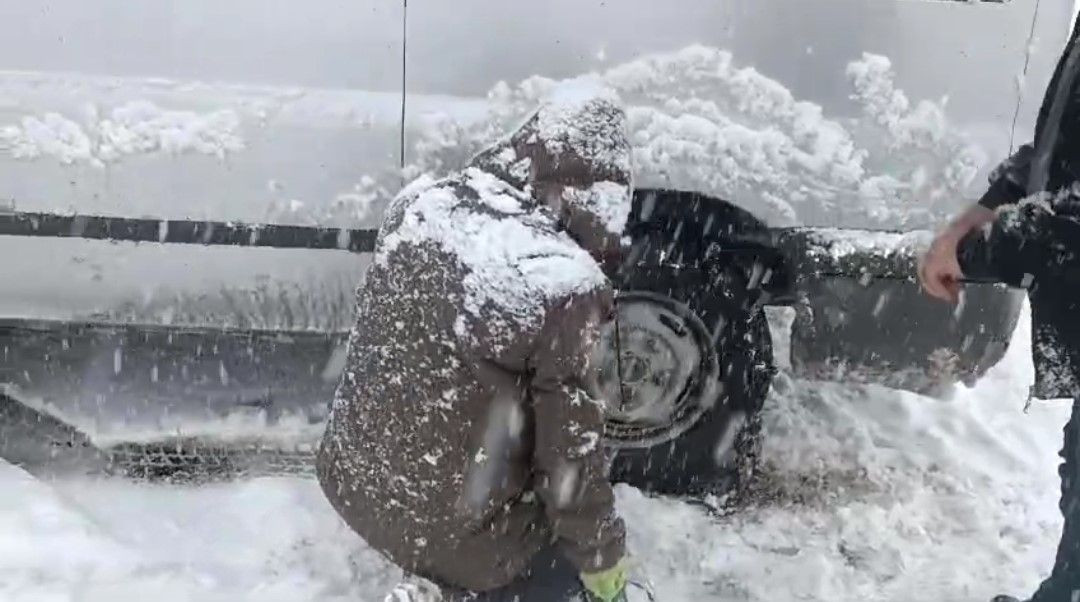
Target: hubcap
{"points": [[668, 367]]}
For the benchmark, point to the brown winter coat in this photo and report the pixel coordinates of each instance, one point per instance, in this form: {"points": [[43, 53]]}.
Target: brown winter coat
{"points": [[462, 438]]}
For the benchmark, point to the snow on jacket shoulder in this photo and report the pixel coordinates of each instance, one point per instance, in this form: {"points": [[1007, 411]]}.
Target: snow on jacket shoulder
{"points": [[1036, 243], [462, 439], [514, 260]]}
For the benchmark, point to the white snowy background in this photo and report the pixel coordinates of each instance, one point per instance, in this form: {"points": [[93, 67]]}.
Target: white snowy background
{"points": [[793, 109]]}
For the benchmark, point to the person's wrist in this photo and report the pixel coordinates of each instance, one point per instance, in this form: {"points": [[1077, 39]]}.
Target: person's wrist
{"points": [[972, 219], [955, 232], [947, 240]]}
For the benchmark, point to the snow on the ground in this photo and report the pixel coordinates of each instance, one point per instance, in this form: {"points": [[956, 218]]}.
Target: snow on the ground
{"points": [[881, 495], [871, 495]]}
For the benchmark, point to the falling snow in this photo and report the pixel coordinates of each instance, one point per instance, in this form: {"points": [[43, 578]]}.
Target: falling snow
{"points": [[870, 495]]}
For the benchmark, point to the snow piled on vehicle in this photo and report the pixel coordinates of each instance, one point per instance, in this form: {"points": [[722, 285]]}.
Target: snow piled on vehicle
{"points": [[699, 122], [868, 494], [864, 255], [133, 128]]}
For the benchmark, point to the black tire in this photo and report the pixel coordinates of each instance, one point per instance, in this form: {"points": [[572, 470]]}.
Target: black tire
{"points": [[718, 453]]}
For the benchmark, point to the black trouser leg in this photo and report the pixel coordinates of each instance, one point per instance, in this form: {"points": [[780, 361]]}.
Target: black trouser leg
{"points": [[550, 578], [1063, 585]]}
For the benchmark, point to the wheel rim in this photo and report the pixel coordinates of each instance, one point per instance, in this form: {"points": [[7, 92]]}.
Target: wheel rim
{"points": [[668, 366]]}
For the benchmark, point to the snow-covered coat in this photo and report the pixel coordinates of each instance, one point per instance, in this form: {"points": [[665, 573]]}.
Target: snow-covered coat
{"points": [[1038, 246], [463, 438]]}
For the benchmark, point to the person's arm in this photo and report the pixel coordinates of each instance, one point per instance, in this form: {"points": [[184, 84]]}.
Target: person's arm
{"points": [[939, 268], [1009, 181], [595, 217], [569, 457]]}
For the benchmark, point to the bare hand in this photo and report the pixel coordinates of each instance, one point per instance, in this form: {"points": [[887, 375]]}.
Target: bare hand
{"points": [[939, 269]]}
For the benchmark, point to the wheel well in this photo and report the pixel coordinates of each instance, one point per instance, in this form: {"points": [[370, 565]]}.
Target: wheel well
{"points": [[693, 229]]}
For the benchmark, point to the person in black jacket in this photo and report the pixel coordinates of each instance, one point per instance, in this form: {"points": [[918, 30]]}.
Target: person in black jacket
{"points": [[1030, 221]]}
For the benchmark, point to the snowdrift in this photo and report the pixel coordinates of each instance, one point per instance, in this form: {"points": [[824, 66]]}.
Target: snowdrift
{"points": [[869, 494]]}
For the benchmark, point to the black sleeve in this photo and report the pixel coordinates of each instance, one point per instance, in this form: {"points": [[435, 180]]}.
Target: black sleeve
{"points": [[1008, 183]]}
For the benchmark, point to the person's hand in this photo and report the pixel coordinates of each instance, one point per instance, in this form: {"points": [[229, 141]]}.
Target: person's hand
{"points": [[939, 269]]}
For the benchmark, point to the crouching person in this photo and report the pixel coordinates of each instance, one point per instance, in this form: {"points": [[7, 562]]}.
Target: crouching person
{"points": [[463, 442]]}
